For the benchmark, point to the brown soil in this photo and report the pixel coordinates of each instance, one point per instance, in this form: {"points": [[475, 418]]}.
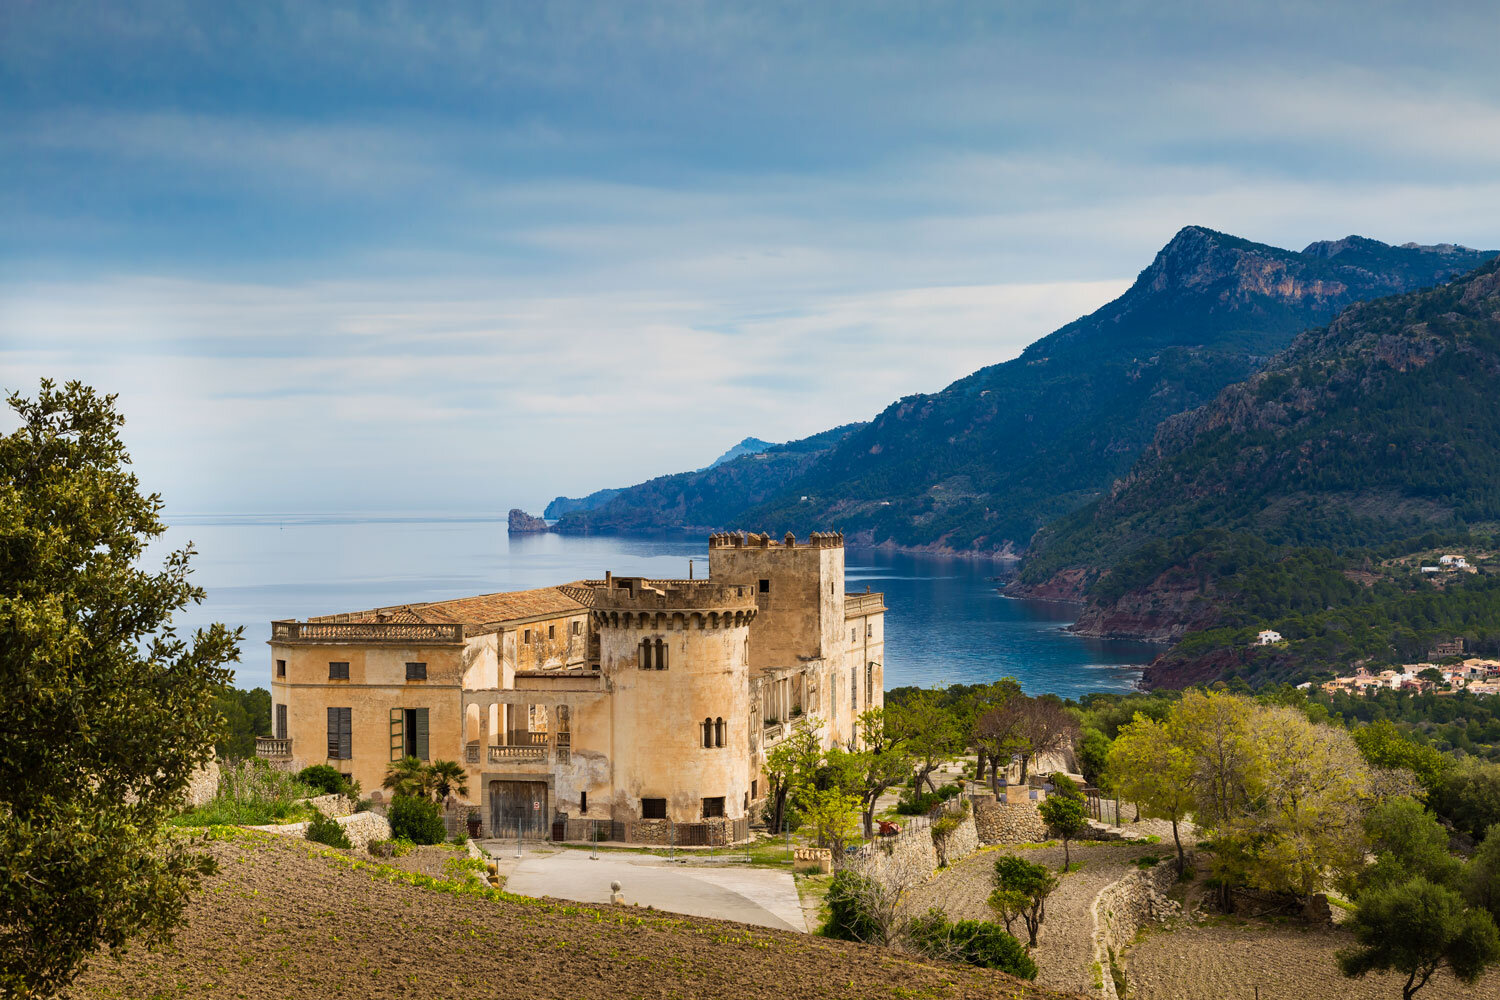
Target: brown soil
{"points": [[1064, 950], [424, 860], [281, 919], [1227, 959]]}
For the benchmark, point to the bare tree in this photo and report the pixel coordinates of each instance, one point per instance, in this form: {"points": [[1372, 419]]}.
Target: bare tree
{"points": [[1028, 727]]}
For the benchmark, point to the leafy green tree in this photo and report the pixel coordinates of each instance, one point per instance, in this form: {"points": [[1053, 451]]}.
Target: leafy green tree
{"points": [[1416, 928], [880, 762], [1065, 813], [931, 733], [1146, 767], [834, 815], [790, 765], [1482, 875], [323, 777], [1092, 752], [247, 714], [1469, 797], [1383, 744], [106, 710], [1408, 841], [1021, 891]]}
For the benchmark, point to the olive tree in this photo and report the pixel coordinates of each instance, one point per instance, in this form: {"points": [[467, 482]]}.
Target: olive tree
{"points": [[106, 710]]}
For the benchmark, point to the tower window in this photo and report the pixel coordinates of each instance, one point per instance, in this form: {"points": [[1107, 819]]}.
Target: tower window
{"points": [[551, 631], [583, 802], [765, 586], [280, 668], [718, 732], [526, 636], [713, 808], [708, 733], [653, 808], [338, 670], [416, 671]]}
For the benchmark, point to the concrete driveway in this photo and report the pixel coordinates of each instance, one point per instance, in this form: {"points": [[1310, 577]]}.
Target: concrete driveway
{"points": [[750, 895]]}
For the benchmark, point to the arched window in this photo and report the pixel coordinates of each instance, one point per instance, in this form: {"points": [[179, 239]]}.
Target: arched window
{"points": [[661, 654], [718, 732], [708, 734], [645, 656]]}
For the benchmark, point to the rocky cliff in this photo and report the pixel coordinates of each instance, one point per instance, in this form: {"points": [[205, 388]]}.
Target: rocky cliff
{"points": [[522, 523]]}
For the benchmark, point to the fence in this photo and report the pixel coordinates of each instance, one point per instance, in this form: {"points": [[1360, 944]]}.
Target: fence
{"points": [[661, 833]]}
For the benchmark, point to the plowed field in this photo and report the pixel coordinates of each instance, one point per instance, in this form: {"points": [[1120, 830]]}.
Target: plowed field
{"points": [[287, 919]]}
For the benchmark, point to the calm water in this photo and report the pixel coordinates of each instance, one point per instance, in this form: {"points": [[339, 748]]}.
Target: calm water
{"points": [[946, 624]]}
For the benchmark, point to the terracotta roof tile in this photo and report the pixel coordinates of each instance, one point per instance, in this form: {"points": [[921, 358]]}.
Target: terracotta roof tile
{"points": [[483, 609]]}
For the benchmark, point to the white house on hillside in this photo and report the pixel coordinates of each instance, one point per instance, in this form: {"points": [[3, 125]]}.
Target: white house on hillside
{"points": [[1267, 637]]}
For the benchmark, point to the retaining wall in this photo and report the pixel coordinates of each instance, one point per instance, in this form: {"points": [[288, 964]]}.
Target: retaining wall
{"points": [[1122, 908], [1008, 823], [958, 843]]}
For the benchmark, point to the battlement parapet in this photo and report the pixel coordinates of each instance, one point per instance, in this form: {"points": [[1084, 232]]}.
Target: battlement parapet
{"points": [[741, 540]]}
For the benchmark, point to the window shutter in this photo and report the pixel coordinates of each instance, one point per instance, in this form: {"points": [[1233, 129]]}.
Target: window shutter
{"points": [[346, 737], [422, 733], [333, 732], [398, 733], [281, 722]]}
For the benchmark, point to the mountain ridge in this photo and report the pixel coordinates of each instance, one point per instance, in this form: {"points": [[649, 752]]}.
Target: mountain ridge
{"points": [[980, 465]]}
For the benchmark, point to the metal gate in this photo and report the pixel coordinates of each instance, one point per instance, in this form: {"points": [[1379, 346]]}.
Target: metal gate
{"points": [[519, 808]]}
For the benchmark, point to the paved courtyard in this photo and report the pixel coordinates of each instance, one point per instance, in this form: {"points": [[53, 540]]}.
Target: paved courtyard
{"points": [[749, 895]]}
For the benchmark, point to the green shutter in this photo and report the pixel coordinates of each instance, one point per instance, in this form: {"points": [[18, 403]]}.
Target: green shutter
{"points": [[422, 733], [398, 734]]}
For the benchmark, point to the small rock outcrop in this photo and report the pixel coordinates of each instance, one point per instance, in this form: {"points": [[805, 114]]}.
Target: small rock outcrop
{"points": [[522, 523]]}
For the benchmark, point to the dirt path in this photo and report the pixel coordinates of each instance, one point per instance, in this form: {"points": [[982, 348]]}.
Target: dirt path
{"points": [[1064, 951]]}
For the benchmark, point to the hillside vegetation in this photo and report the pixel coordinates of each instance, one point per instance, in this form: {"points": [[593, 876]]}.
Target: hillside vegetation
{"points": [[982, 464], [1291, 496]]}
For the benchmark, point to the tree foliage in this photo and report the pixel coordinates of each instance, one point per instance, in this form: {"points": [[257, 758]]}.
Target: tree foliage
{"points": [[106, 710], [1021, 891], [1146, 767], [1416, 928]]}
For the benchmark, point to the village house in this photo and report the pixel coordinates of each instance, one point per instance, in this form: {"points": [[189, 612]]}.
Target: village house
{"points": [[628, 708], [1267, 637]]}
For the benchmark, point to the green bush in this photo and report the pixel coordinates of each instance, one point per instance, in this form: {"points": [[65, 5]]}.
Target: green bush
{"points": [[323, 830], [251, 793], [976, 942], [416, 820], [914, 803], [322, 777], [849, 918]]}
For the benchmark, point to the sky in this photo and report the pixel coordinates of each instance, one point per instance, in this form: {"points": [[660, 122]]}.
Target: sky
{"points": [[455, 257]]}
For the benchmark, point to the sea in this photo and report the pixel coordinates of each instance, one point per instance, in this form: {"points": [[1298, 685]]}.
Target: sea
{"points": [[947, 622]]}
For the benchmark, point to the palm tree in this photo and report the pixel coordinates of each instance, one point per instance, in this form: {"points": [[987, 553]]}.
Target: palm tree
{"points": [[447, 777], [408, 776]]}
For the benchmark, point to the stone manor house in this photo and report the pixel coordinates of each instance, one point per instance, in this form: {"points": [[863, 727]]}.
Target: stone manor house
{"points": [[624, 706]]}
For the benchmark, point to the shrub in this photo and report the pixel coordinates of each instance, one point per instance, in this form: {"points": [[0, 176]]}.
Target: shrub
{"points": [[849, 916], [381, 848], [323, 830], [322, 777], [417, 820], [251, 793], [914, 803], [946, 792], [975, 942]]}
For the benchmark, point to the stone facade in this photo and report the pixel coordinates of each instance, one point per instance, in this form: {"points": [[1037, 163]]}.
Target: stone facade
{"points": [[627, 700], [1008, 822]]}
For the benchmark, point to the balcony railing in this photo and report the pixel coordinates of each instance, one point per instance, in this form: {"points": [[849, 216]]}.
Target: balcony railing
{"points": [[365, 632], [499, 754], [273, 748]]}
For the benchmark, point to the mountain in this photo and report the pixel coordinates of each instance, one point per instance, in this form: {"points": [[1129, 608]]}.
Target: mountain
{"points": [[981, 465], [702, 501], [566, 505], [1374, 431], [749, 446]]}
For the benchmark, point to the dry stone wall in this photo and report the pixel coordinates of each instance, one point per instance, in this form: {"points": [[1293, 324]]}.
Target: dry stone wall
{"points": [[957, 843], [1122, 908], [1008, 823], [332, 805]]}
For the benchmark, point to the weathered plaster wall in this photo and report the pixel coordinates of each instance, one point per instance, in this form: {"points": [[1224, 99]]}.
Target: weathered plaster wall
{"points": [[657, 715], [377, 683]]}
